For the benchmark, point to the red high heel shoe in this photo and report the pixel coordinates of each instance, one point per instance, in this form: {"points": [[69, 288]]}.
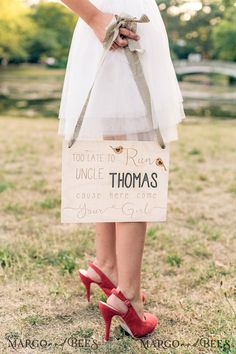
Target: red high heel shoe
{"points": [[132, 323], [105, 284]]}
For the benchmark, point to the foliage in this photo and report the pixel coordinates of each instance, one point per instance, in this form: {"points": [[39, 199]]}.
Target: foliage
{"points": [[224, 37], [14, 25], [55, 24], [34, 33], [208, 30]]}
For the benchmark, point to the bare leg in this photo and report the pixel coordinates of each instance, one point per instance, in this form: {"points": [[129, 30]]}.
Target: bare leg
{"points": [[105, 248], [105, 259], [130, 237]]}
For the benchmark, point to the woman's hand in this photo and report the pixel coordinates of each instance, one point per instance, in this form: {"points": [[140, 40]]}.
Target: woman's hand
{"points": [[101, 20], [98, 21]]}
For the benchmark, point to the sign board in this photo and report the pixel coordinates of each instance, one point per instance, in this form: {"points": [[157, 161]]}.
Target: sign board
{"points": [[114, 180]]}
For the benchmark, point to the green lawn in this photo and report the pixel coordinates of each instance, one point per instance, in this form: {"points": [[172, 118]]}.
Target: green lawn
{"points": [[189, 263]]}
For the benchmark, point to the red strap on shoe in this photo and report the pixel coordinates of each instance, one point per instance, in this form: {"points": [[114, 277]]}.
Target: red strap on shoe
{"points": [[104, 278], [97, 270], [121, 296], [127, 303]]}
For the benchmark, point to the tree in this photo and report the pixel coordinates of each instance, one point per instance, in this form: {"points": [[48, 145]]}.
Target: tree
{"points": [[54, 27], [14, 25], [224, 36], [190, 25]]}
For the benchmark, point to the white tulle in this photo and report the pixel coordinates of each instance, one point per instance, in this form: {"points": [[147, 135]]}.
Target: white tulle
{"points": [[115, 106]]}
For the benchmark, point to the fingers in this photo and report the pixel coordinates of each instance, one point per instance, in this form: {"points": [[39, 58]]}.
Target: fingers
{"points": [[114, 46], [121, 41], [128, 33]]}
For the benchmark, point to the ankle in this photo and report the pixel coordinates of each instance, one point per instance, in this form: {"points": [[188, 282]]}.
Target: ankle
{"points": [[131, 294], [109, 265], [120, 305], [108, 268]]}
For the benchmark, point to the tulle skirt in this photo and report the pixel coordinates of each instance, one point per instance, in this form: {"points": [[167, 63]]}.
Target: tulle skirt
{"points": [[115, 107]]}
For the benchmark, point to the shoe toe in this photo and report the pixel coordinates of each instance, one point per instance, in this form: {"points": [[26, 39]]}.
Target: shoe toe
{"points": [[151, 320]]}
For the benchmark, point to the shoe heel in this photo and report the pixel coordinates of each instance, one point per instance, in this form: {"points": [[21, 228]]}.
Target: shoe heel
{"points": [[107, 314], [87, 283]]}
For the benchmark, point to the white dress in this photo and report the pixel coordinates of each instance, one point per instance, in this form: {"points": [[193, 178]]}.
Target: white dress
{"points": [[115, 106]]}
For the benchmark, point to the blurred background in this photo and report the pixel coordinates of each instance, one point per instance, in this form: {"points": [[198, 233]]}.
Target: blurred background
{"points": [[189, 262], [35, 38]]}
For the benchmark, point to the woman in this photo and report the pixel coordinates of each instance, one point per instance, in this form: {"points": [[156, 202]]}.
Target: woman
{"points": [[116, 111]]}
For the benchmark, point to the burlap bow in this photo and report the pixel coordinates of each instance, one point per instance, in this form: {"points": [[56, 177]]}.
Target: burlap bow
{"points": [[131, 52]]}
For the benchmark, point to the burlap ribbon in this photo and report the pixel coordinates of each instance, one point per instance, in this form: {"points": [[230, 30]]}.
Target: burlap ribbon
{"points": [[131, 52]]}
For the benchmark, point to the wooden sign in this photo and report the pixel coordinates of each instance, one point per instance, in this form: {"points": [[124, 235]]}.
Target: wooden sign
{"points": [[114, 180]]}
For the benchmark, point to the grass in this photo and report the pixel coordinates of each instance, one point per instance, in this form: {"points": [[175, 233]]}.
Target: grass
{"points": [[174, 260], [189, 262]]}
